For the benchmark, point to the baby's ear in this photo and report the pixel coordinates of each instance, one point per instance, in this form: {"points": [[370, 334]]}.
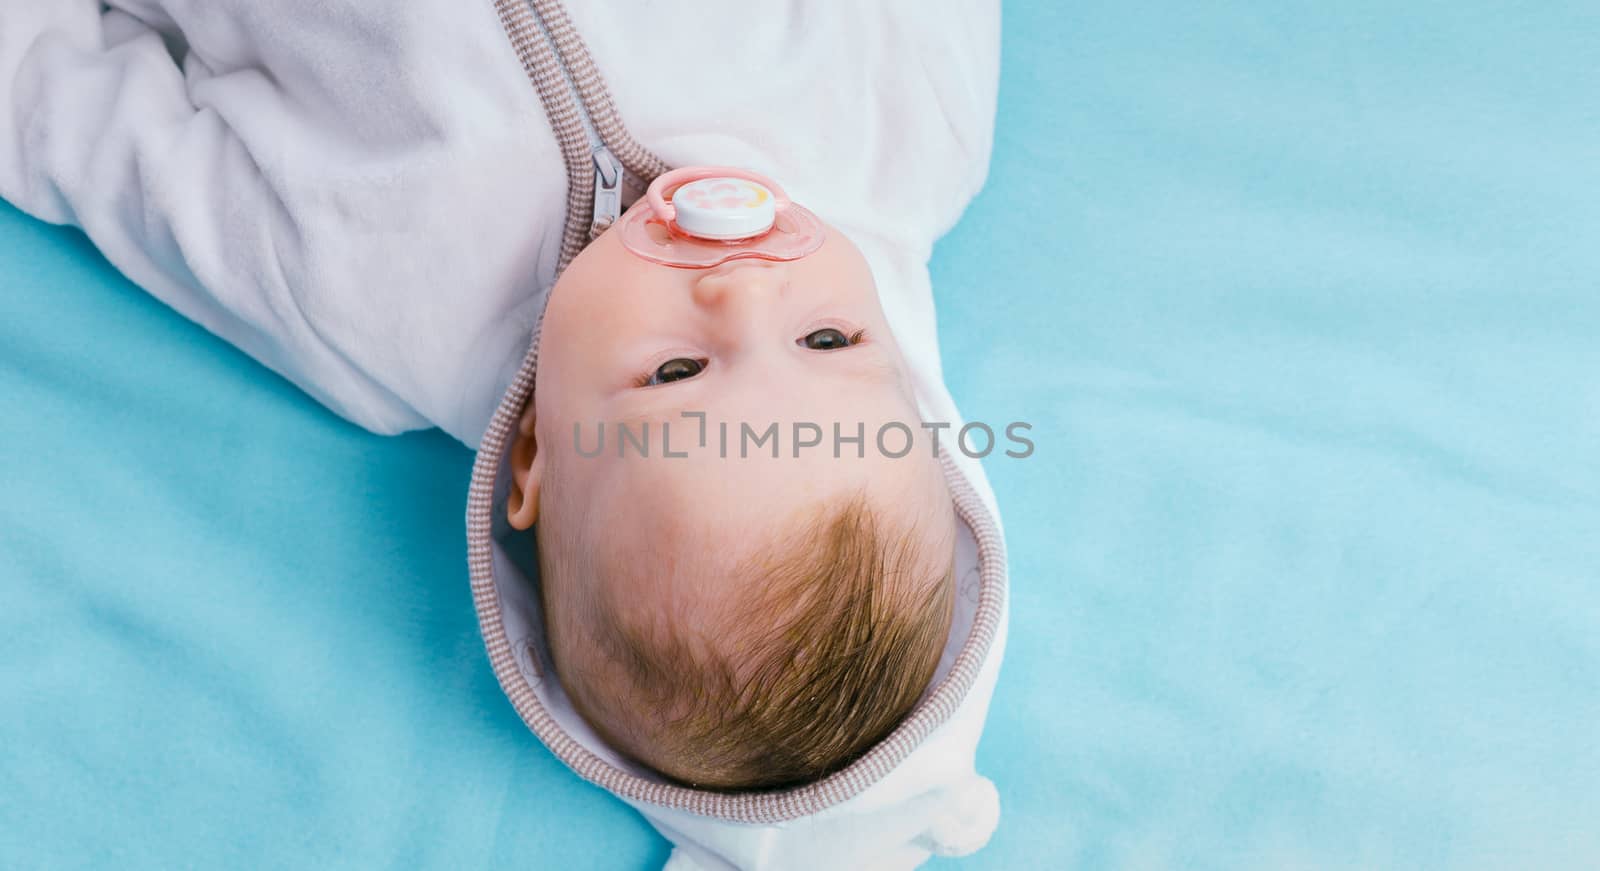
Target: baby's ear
{"points": [[522, 506]]}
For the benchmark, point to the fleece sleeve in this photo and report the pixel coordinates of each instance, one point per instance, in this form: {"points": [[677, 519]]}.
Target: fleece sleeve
{"points": [[101, 129]]}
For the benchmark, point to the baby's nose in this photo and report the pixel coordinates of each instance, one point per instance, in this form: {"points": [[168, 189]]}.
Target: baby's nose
{"points": [[740, 281]]}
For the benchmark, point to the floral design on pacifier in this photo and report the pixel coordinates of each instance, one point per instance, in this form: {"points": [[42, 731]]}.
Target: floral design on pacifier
{"points": [[700, 216]]}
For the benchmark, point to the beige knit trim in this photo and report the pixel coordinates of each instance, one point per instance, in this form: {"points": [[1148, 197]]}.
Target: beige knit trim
{"points": [[762, 807], [596, 98], [540, 62]]}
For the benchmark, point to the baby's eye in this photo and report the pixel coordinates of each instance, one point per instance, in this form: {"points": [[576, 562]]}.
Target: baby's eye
{"points": [[830, 339], [676, 369]]}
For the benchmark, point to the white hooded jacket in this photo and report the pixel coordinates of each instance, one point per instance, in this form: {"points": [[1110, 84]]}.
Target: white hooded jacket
{"points": [[368, 199]]}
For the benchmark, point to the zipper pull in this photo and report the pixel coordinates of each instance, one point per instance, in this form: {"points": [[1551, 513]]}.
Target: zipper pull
{"points": [[607, 190]]}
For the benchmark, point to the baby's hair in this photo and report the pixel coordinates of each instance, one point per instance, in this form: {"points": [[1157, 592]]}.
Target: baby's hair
{"points": [[838, 637]]}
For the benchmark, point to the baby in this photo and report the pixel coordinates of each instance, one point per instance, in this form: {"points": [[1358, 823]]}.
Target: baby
{"points": [[374, 200]]}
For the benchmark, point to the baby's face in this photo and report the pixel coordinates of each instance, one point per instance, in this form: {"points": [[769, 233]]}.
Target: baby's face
{"points": [[629, 340], [750, 343], [671, 545]]}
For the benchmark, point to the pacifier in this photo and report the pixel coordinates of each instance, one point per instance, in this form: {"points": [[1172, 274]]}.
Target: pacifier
{"points": [[700, 216]]}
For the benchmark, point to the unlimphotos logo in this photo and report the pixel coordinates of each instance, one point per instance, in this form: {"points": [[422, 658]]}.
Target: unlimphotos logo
{"points": [[793, 439]]}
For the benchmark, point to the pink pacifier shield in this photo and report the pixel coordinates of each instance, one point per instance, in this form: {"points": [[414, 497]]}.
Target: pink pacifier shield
{"points": [[716, 214]]}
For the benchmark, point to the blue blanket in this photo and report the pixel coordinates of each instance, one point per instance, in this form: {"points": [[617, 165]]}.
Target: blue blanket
{"points": [[1302, 303]]}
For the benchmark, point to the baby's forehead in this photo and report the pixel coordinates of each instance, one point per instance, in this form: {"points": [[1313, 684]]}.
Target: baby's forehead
{"points": [[692, 535], [709, 496]]}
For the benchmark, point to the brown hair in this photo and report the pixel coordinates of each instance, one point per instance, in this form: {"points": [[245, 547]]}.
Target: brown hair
{"points": [[838, 638]]}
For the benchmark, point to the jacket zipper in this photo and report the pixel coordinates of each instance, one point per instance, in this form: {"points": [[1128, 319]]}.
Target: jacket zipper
{"points": [[606, 202], [607, 184]]}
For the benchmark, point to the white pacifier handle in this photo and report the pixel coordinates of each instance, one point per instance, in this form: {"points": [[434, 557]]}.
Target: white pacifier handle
{"points": [[716, 214], [704, 214]]}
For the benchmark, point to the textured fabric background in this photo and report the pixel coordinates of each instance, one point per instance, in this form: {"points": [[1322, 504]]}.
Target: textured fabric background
{"points": [[1303, 302]]}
